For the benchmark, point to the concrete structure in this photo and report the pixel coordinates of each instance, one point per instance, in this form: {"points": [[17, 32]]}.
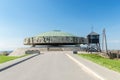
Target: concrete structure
{"points": [[54, 38], [52, 41], [23, 51], [32, 50]]}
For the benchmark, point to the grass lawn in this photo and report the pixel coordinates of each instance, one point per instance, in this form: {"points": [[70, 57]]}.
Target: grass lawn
{"points": [[8, 58], [109, 63]]}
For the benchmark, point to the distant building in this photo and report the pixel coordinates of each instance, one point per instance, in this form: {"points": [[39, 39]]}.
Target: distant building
{"points": [[93, 42], [55, 38]]}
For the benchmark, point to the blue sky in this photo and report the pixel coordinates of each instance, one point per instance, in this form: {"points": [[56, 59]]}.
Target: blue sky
{"points": [[26, 18]]}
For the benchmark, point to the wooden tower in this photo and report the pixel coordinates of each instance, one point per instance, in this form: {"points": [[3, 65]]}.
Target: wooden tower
{"points": [[93, 42]]}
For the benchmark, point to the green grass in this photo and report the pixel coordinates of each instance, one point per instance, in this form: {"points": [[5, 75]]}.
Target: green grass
{"points": [[8, 58], [112, 64]]}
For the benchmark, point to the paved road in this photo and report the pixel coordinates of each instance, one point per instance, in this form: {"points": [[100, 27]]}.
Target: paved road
{"points": [[46, 67]]}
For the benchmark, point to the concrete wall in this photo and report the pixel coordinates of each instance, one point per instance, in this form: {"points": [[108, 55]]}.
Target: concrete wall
{"points": [[22, 51], [54, 39]]}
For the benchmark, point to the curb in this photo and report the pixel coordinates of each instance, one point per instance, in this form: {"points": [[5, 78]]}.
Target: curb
{"points": [[12, 63]]}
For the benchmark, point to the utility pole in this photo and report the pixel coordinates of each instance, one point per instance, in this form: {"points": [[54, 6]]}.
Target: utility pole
{"points": [[104, 41]]}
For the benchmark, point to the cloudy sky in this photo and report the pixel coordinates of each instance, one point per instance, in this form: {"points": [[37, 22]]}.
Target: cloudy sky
{"points": [[26, 18]]}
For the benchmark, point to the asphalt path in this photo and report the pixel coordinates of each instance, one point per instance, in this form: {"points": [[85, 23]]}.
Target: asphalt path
{"points": [[53, 66]]}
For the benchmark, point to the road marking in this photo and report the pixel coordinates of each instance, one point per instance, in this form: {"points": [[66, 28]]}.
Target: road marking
{"points": [[84, 67]]}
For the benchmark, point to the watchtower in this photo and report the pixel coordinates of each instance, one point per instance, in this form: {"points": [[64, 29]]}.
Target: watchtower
{"points": [[93, 42]]}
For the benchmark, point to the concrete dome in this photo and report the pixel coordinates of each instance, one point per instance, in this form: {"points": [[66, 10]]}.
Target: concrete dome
{"points": [[56, 33], [55, 37]]}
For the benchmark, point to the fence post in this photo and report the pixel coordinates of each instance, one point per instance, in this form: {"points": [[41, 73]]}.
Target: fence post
{"points": [[118, 54]]}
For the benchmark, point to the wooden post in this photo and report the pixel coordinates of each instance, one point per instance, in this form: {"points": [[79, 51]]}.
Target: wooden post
{"points": [[118, 54]]}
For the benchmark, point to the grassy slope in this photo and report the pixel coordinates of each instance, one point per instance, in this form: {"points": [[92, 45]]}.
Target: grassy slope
{"points": [[8, 58], [109, 63]]}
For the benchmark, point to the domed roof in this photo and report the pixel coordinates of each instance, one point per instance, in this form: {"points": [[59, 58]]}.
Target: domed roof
{"points": [[55, 33], [93, 33]]}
